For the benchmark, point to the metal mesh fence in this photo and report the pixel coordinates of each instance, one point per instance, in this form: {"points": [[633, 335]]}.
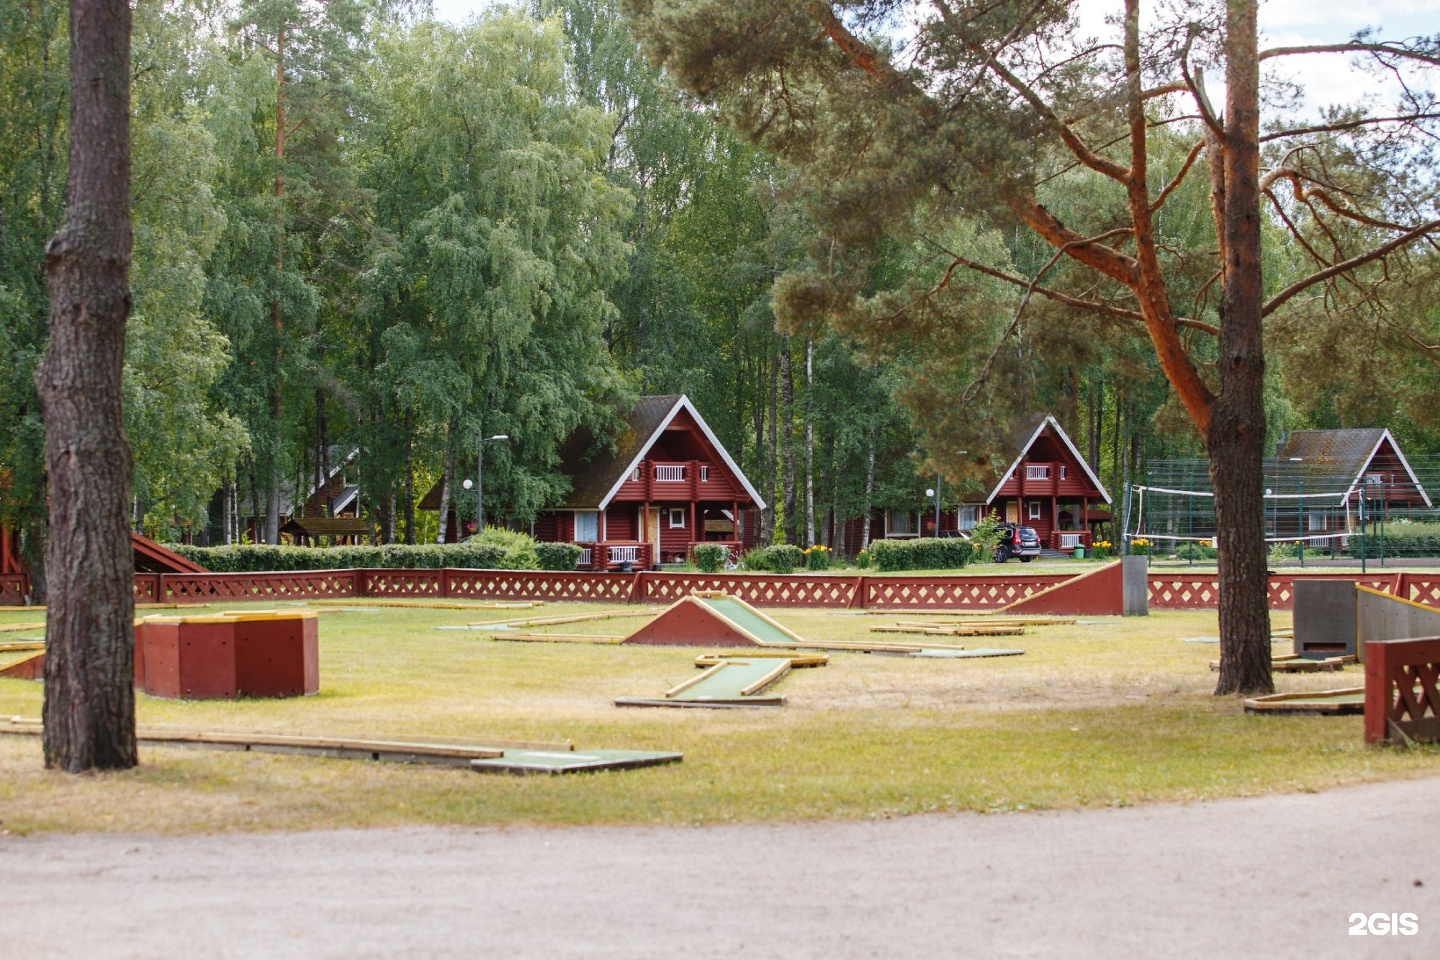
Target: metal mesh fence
{"points": [[1314, 510]]}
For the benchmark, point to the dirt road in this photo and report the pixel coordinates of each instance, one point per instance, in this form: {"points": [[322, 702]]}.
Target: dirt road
{"points": [[1276, 877]]}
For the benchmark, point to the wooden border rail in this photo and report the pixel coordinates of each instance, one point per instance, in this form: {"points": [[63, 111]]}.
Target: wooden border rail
{"points": [[959, 592]]}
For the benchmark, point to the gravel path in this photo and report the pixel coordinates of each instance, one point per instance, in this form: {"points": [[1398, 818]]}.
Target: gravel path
{"points": [[1273, 877]]}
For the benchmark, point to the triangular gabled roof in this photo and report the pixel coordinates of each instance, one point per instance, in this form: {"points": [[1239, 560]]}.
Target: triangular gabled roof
{"points": [[595, 484], [1345, 453], [1026, 432]]}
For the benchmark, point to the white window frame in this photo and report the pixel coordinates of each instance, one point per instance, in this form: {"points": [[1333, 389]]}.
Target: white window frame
{"points": [[677, 513], [1062, 471], [966, 517], [704, 473], [594, 525], [1316, 522], [1037, 471], [635, 474], [1032, 509]]}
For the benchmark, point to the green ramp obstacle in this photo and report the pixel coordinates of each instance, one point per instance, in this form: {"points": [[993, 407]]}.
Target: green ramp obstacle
{"points": [[713, 620], [719, 620], [730, 682]]}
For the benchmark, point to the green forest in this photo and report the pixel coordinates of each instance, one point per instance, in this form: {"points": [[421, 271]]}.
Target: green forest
{"points": [[358, 228]]}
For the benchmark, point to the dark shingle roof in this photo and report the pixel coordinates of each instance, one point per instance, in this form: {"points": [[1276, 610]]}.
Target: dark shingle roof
{"points": [[1329, 452], [594, 470]]}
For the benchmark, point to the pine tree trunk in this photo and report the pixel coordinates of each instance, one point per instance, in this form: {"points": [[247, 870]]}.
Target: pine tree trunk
{"points": [[33, 550], [447, 478], [809, 539], [227, 513], [772, 455], [1236, 437], [869, 506], [409, 476], [89, 710], [787, 439]]}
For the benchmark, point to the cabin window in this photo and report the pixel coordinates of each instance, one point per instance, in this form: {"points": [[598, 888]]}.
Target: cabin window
{"points": [[587, 526], [635, 474], [1037, 471], [1062, 471], [966, 518], [1315, 522], [677, 518], [1033, 511], [900, 523], [704, 473]]}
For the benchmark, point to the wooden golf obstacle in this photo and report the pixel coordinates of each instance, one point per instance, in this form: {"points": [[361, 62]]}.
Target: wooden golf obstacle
{"points": [[228, 655], [223, 655], [1339, 702], [514, 757], [715, 619], [731, 681], [27, 668], [1293, 663], [1339, 617], [953, 630], [1401, 699]]}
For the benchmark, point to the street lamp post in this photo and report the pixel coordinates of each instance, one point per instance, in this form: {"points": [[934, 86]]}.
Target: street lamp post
{"points": [[480, 479]]}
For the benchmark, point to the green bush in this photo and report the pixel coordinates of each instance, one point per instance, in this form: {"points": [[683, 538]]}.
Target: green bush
{"points": [[557, 556], [711, 557], [925, 553], [784, 557], [985, 537], [519, 548], [817, 557], [778, 558], [1401, 539], [862, 560]]}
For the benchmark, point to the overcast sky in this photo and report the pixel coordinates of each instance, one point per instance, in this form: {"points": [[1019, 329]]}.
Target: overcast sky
{"points": [[1327, 79]]}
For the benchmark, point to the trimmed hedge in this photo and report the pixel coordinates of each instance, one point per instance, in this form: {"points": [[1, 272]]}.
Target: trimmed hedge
{"points": [[557, 556], [924, 553], [266, 558], [1401, 540]]}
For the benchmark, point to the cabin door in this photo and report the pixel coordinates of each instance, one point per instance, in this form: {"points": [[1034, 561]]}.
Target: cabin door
{"points": [[652, 529], [1012, 511]]}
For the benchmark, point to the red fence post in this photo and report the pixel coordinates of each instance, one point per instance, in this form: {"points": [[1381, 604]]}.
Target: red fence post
{"points": [[857, 602], [1377, 690]]}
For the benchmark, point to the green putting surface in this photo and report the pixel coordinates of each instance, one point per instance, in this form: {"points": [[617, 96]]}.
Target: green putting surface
{"points": [[740, 614], [571, 761], [727, 682], [730, 679]]}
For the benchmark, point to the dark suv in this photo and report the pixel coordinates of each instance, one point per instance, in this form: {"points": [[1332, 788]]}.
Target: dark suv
{"points": [[1019, 542]]}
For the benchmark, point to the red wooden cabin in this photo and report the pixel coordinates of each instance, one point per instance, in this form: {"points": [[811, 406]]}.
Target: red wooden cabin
{"points": [[1049, 486], [669, 485]]}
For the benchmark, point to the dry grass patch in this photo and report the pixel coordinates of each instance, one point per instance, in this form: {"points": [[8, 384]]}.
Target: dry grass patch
{"points": [[1095, 713]]}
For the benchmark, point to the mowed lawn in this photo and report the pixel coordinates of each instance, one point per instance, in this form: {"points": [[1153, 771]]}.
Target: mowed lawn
{"points": [[1106, 711]]}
